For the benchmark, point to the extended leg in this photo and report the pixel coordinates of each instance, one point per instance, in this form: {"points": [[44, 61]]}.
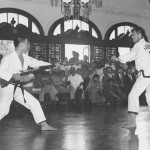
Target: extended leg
{"points": [[34, 106], [133, 99], [6, 97]]}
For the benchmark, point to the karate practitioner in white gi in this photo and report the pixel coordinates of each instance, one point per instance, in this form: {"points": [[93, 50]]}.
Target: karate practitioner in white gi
{"points": [[141, 54], [10, 66]]}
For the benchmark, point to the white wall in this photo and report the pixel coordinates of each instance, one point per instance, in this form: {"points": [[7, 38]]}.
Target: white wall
{"points": [[103, 19]]}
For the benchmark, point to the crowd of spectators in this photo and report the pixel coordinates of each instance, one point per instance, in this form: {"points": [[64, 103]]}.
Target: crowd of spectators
{"points": [[99, 82]]}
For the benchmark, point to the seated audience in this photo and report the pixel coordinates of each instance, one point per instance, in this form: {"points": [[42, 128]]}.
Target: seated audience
{"points": [[104, 74], [99, 69], [85, 76], [110, 64], [54, 61], [43, 81], [75, 81], [129, 80], [79, 71], [58, 81], [95, 90], [124, 67], [114, 94], [119, 79], [74, 77], [107, 76]]}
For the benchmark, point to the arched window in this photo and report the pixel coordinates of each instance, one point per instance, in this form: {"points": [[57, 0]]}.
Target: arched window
{"points": [[17, 16], [117, 31], [76, 35], [61, 26]]}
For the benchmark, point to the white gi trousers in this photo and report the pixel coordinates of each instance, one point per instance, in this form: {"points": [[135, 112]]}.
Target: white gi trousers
{"points": [[6, 97], [138, 88]]}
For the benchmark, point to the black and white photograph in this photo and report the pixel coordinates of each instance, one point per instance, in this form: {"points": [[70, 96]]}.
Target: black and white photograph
{"points": [[74, 74]]}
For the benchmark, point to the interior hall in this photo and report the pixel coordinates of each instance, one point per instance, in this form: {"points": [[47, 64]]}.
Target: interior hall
{"points": [[74, 74]]}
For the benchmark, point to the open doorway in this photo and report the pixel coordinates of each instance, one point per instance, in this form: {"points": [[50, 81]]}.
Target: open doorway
{"points": [[81, 49]]}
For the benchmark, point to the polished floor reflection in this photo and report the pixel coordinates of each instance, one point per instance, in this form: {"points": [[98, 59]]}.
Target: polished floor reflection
{"points": [[92, 128]]}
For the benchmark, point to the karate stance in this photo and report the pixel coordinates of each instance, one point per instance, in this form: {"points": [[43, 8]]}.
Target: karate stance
{"points": [[141, 54], [10, 66]]}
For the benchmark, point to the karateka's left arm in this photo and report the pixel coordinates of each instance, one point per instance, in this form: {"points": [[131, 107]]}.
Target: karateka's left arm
{"points": [[34, 63]]}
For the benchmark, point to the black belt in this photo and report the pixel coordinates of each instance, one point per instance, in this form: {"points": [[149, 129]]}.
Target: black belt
{"points": [[17, 83], [142, 71]]}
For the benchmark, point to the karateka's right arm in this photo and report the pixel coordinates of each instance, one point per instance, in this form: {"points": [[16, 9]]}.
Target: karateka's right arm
{"points": [[132, 55]]}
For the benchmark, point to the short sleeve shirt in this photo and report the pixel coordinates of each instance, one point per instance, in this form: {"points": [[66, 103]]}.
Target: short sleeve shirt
{"points": [[75, 80]]}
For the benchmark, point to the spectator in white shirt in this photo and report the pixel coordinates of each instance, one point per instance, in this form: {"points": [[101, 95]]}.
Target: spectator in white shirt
{"points": [[75, 82]]}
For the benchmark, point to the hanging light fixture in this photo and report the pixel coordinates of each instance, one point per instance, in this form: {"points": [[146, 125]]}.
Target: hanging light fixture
{"points": [[77, 8]]}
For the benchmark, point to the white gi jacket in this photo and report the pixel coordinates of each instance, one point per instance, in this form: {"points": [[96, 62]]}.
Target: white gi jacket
{"points": [[141, 54], [11, 64]]}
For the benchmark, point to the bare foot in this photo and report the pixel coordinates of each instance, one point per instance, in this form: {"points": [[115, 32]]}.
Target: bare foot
{"points": [[46, 127]]}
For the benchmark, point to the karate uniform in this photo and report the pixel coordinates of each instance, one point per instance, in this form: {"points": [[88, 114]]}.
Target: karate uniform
{"points": [[141, 54], [10, 64]]}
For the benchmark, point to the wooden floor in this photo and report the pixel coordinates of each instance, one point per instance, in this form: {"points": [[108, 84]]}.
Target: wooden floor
{"points": [[92, 128]]}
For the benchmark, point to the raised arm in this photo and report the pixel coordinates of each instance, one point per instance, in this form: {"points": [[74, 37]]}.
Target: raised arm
{"points": [[130, 56]]}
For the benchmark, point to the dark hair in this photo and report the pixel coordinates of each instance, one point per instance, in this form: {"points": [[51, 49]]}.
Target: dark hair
{"points": [[108, 67], [139, 30], [19, 39], [95, 76]]}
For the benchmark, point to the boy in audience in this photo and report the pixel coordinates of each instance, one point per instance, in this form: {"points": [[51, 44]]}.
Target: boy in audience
{"points": [[107, 76], [95, 90], [114, 94], [129, 80], [119, 79]]}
